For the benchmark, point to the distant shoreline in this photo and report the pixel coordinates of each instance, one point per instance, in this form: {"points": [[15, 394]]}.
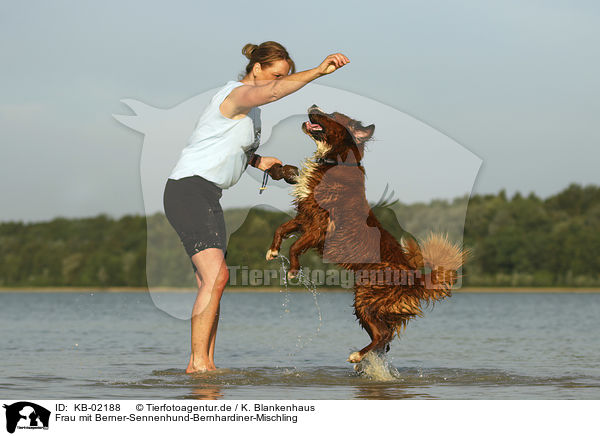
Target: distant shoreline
{"points": [[465, 290]]}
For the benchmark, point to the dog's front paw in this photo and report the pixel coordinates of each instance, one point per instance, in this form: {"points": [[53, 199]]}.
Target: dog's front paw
{"points": [[272, 254], [355, 357], [292, 274]]}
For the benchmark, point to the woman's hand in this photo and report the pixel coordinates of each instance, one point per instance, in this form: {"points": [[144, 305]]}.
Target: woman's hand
{"points": [[332, 63], [267, 162]]}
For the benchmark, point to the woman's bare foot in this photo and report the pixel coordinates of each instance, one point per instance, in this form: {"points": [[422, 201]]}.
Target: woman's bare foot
{"points": [[198, 366]]}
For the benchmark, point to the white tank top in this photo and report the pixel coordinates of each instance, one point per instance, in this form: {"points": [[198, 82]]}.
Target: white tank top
{"points": [[219, 147]]}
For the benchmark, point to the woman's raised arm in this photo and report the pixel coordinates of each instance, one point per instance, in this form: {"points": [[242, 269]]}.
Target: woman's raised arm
{"points": [[243, 98]]}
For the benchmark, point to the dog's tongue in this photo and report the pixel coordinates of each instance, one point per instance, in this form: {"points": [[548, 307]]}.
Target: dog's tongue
{"points": [[312, 126]]}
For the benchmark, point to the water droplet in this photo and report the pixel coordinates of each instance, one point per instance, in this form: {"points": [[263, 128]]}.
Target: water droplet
{"points": [[312, 288]]}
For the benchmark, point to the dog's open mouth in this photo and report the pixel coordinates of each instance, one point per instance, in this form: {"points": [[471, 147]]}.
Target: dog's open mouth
{"points": [[313, 127]]}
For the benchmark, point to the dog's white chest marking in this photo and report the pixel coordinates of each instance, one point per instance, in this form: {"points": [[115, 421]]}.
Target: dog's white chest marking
{"points": [[302, 188]]}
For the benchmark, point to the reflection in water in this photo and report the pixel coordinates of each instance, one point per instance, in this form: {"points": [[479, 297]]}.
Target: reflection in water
{"points": [[372, 382], [384, 391], [205, 392]]}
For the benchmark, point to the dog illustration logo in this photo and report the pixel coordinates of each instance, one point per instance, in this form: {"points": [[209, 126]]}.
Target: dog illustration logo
{"points": [[409, 156], [26, 415]]}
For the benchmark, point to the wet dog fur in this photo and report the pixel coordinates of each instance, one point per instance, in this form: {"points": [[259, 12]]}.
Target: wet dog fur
{"points": [[333, 216]]}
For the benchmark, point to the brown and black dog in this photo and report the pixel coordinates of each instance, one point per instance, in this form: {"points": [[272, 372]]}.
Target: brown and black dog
{"points": [[392, 279]]}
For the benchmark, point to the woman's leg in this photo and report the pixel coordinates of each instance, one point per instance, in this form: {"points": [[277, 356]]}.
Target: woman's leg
{"points": [[213, 333], [214, 276], [213, 338]]}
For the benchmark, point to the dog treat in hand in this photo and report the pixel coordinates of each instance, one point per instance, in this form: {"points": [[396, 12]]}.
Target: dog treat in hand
{"points": [[286, 172]]}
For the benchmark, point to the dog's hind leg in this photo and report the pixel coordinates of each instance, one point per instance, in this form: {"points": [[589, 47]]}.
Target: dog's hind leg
{"points": [[282, 232], [380, 337]]}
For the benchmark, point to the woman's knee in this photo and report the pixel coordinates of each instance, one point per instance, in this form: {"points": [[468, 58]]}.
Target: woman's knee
{"points": [[223, 277], [217, 281]]}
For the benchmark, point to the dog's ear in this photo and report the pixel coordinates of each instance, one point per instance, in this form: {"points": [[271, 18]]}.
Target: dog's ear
{"points": [[362, 134]]}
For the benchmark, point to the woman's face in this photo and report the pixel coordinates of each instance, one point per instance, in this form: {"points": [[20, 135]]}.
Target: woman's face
{"points": [[275, 70]]}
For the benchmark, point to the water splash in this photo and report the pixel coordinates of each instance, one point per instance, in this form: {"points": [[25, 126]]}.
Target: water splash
{"points": [[375, 366], [312, 288], [286, 300]]}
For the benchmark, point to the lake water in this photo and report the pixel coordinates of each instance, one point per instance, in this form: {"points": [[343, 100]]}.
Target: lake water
{"points": [[291, 345]]}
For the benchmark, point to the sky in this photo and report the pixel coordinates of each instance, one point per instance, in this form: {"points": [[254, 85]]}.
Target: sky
{"points": [[513, 84]]}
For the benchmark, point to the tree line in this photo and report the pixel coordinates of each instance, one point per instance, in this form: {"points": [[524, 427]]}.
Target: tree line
{"points": [[517, 241]]}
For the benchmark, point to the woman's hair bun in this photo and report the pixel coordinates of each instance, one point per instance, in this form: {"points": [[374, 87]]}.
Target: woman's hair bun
{"points": [[248, 50], [265, 54]]}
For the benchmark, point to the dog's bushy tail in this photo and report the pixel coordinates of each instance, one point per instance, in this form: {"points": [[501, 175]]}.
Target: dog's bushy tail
{"points": [[442, 257], [433, 263]]}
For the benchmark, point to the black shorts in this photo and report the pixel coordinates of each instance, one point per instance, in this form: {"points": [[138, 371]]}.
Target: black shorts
{"points": [[193, 209]]}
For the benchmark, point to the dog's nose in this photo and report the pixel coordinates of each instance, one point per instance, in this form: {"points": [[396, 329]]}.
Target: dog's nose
{"points": [[314, 106]]}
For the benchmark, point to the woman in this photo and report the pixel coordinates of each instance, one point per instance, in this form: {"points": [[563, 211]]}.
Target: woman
{"points": [[218, 152]]}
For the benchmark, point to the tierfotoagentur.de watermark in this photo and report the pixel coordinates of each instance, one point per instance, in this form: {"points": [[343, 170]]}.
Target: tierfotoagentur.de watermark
{"points": [[242, 275]]}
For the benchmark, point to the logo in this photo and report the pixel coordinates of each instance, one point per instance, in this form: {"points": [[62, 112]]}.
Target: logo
{"points": [[26, 415], [407, 157]]}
